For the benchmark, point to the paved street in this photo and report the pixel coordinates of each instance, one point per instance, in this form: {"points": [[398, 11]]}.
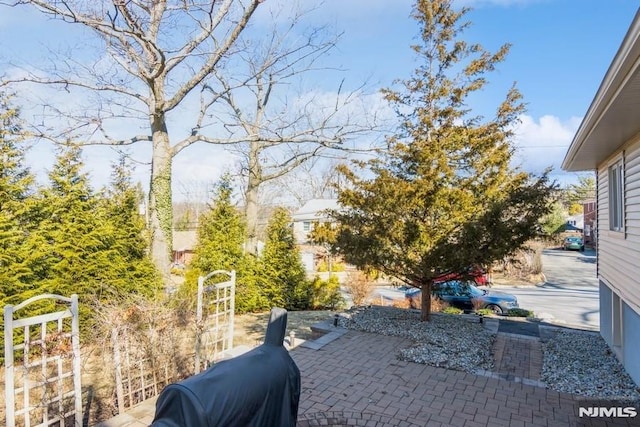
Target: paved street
{"points": [[569, 296], [570, 269]]}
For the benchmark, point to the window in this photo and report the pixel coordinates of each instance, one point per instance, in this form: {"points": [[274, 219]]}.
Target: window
{"points": [[616, 197], [306, 226]]}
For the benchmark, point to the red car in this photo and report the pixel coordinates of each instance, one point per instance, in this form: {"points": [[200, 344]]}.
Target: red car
{"points": [[477, 274]]}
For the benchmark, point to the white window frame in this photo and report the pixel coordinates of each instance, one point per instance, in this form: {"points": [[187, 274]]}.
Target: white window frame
{"points": [[616, 196], [306, 226]]}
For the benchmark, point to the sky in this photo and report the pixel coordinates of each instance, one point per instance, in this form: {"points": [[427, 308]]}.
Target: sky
{"points": [[561, 50]]}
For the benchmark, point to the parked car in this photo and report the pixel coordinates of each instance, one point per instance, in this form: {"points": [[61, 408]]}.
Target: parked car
{"points": [[476, 274], [573, 243], [465, 296]]}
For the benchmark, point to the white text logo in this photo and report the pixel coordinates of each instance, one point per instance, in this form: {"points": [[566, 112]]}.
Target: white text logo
{"points": [[604, 412]]}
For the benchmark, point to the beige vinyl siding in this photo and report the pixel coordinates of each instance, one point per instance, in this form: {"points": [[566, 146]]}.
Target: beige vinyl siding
{"points": [[619, 252]]}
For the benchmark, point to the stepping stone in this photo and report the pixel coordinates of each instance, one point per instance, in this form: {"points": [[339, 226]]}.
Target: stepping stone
{"points": [[519, 328]]}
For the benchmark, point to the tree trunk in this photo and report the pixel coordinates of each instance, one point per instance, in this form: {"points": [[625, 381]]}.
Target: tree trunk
{"points": [[160, 208], [251, 213], [425, 312], [251, 209]]}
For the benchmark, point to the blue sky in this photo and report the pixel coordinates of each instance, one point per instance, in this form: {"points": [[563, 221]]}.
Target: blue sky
{"points": [[560, 52]]}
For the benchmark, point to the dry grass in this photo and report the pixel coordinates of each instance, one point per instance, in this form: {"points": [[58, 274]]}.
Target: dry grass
{"points": [[523, 267], [250, 328], [437, 305]]}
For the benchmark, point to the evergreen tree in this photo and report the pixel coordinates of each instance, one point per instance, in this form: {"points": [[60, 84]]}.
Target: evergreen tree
{"points": [[443, 196], [221, 235], [553, 222], [64, 246], [578, 193], [16, 184], [285, 280], [124, 251]]}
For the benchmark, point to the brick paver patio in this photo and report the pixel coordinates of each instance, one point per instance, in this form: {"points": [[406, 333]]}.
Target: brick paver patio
{"points": [[517, 356], [359, 374], [356, 380]]}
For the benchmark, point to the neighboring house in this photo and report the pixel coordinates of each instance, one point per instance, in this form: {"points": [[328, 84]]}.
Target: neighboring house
{"points": [[608, 141], [311, 213], [304, 219], [589, 221], [184, 243], [576, 222]]}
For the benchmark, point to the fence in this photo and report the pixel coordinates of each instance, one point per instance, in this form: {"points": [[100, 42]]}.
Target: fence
{"points": [[144, 364], [44, 387], [149, 359], [214, 318]]}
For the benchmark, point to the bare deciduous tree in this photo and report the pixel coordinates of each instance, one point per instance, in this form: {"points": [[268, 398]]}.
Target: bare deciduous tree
{"points": [[284, 127], [316, 179], [153, 59]]}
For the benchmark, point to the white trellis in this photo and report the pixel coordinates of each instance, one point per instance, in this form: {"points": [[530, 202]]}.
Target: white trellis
{"points": [[42, 372], [140, 372], [214, 318]]}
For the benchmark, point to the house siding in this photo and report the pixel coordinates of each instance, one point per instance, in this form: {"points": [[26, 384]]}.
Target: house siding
{"points": [[631, 337], [619, 252], [618, 265], [606, 315]]}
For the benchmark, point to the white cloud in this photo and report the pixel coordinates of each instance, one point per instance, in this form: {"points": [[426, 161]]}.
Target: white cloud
{"points": [[543, 143]]}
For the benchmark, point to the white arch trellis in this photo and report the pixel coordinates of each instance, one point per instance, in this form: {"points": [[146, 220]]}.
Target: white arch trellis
{"points": [[42, 373], [214, 318]]}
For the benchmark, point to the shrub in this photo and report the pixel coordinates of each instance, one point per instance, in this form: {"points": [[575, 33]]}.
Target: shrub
{"points": [[524, 262], [326, 294], [484, 311], [178, 271], [401, 303], [437, 304], [519, 312], [452, 310], [360, 288]]}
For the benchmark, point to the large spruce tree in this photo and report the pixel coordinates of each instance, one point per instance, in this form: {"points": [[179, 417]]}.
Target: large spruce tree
{"points": [[124, 249], [285, 283], [444, 195], [16, 186], [221, 236], [64, 244]]}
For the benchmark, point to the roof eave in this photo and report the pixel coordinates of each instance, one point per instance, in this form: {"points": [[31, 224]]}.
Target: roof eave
{"points": [[578, 158]]}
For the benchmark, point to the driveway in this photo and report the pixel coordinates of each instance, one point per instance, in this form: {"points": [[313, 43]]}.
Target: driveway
{"points": [[569, 295], [570, 269]]}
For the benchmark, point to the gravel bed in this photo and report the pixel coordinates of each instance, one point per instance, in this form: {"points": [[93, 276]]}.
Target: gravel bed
{"points": [[581, 363], [451, 342], [574, 362]]}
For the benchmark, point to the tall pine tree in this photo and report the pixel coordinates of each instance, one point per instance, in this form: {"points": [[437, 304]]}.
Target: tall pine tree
{"points": [[221, 236], [16, 185], [285, 279], [64, 247], [124, 249], [443, 196]]}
